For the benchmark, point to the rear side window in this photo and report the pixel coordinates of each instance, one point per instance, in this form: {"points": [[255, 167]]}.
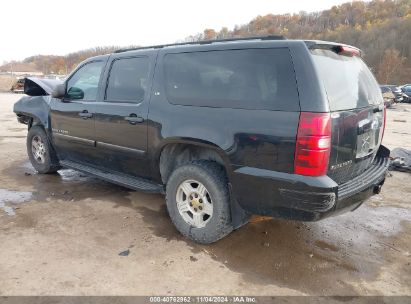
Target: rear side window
{"points": [[128, 80], [347, 80], [246, 79]]}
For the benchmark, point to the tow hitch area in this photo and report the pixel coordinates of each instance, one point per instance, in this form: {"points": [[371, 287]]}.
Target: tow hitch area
{"points": [[377, 189]]}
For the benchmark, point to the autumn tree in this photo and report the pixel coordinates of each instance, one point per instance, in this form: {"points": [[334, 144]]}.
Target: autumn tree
{"points": [[390, 66], [210, 34], [373, 26], [223, 33]]}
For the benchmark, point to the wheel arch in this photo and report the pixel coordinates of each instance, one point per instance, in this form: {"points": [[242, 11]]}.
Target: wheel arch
{"points": [[31, 120], [175, 152], [52, 165]]}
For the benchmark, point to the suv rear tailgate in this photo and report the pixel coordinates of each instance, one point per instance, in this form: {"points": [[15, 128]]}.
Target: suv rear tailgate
{"points": [[357, 110]]}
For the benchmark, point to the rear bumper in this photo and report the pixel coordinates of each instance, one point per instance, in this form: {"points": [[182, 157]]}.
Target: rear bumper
{"points": [[305, 198], [370, 178]]}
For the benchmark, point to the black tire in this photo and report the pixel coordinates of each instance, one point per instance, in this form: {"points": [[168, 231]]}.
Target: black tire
{"points": [[213, 177], [50, 162]]}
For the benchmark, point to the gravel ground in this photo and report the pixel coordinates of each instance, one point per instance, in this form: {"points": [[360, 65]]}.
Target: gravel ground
{"points": [[62, 234]]}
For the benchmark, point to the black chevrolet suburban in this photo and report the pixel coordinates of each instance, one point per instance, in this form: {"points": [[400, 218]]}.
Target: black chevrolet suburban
{"points": [[225, 129]]}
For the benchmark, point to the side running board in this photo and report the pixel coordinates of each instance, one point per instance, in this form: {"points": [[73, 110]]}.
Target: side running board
{"points": [[134, 183]]}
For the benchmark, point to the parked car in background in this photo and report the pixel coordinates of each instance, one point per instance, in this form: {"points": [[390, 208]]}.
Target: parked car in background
{"points": [[55, 76], [406, 90], [396, 91], [388, 95], [18, 86]]}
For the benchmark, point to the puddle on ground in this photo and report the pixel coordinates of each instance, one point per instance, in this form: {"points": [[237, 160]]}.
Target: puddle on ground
{"points": [[8, 197], [67, 185], [69, 175]]}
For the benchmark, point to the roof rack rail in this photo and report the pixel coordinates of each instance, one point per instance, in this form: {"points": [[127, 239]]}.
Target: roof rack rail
{"points": [[272, 37]]}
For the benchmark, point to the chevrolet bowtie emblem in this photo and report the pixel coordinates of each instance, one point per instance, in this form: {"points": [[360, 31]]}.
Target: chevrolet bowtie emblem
{"points": [[365, 146]]}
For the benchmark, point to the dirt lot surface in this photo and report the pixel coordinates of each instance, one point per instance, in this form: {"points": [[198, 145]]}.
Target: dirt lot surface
{"points": [[62, 234]]}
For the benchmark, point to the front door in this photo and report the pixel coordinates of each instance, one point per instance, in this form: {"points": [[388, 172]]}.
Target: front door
{"points": [[72, 119], [121, 114]]}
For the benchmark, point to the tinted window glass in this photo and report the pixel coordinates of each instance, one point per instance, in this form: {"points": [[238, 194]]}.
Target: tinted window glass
{"points": [[347, 80], [247, 79], [128, 80], [83, 85]]}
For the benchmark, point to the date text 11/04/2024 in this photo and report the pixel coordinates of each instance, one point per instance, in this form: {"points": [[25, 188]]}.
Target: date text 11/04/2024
{"points": [[202, 299]]}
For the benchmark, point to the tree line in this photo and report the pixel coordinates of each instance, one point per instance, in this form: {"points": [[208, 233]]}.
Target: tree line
{"points": [[381, 28]]}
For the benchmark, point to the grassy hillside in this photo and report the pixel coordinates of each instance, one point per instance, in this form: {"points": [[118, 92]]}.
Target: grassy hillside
{"points": [[51, 64]]}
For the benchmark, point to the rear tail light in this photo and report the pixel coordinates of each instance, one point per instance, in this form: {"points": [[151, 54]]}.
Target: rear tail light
{"points": [[312, 150], [347, 51]]}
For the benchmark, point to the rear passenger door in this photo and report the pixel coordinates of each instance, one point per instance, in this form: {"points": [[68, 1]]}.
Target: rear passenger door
{"points": [[121, 114]]}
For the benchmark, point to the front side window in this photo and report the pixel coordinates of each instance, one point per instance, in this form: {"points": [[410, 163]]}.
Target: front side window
{"points": [[244, 79], [128, 80], [83, 85]]}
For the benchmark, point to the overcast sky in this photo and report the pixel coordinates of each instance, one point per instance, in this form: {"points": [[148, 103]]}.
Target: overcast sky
{"points": [[57, 27]]}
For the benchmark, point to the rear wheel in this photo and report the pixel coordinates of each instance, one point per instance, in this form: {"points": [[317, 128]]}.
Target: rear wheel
{"points": [[40, 151], [198, 201]]}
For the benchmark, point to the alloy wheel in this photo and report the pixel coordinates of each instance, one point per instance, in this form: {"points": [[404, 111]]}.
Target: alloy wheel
{"points": [[38, 149], [194, 203]]}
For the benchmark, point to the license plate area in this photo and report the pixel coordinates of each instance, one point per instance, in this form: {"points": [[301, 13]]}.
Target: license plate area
{"points": [[368, 135], [366, 144]]}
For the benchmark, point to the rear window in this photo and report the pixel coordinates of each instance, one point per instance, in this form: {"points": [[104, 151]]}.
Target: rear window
{"points": [[347, 80], [245, 79]]}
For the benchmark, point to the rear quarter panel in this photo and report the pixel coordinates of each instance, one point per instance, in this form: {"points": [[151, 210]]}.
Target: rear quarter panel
{"points": [[244, 138]]}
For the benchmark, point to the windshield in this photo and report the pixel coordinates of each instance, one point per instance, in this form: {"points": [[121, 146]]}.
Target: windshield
{"points": [[347, 80]]}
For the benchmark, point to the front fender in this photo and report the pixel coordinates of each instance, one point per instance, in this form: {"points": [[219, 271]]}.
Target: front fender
{"points": [[36, 107]]}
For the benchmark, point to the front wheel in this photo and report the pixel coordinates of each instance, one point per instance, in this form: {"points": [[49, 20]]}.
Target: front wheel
{"points": [[198, 201], [40, 151]]}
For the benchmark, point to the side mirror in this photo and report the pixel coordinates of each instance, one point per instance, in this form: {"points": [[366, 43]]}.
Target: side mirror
{"points": [[59, 91], [75, 93]]}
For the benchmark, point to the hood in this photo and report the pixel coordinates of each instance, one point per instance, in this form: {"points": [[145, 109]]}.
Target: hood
{"points": [[39, 86]]}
